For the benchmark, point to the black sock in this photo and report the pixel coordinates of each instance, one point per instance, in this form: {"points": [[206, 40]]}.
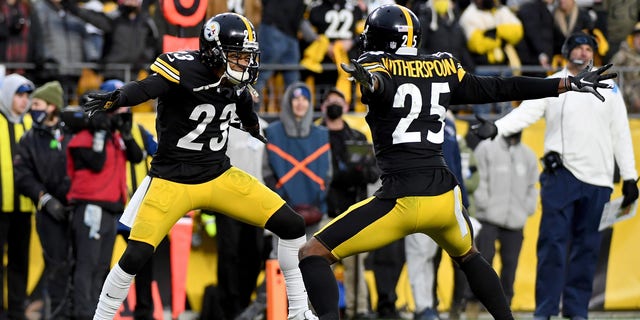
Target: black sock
{"points": [[485, 284], [322, 287]]}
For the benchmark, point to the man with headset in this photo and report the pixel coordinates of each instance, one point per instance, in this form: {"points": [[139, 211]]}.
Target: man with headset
{"points": [[583, 138]]}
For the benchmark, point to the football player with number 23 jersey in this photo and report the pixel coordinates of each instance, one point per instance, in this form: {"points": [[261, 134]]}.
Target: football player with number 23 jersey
{"points": [[407, 94], [199, 94]]}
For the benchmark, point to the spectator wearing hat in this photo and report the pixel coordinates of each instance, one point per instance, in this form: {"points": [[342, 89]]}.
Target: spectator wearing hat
{"points": [[629, 56], [40, 173], [298, 156], [15, 218]]}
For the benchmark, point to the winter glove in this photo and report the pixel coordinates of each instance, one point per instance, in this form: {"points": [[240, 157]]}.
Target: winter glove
{"points": [[629, 191], [255, 132], [589, 81], [52, 206], [359, 74], [484, 129], [101, 102]]}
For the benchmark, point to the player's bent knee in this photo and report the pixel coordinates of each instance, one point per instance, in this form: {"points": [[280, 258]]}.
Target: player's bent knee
{"points": [[135, 256], [466, 257], [286, 223], [313, 247]]}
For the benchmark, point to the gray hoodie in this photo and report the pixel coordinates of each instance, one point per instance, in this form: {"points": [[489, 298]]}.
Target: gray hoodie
{"points": [[10, 85], [292, 127]]}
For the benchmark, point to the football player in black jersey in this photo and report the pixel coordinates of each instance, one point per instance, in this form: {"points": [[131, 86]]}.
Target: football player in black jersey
{"points": [[199, 94], [408, 93]]}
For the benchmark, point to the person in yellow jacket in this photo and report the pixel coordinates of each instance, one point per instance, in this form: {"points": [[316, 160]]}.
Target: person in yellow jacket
{"points": [[492, 31], [15, 218]]}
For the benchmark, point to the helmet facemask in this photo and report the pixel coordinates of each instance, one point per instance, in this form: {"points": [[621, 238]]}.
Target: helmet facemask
{"points": [[242, 63]]}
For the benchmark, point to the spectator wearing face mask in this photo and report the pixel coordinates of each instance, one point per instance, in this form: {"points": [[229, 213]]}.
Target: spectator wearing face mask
{"points": [[41, 174], [348, 186]]}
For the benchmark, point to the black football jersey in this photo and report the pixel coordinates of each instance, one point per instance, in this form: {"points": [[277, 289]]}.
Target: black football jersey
{"points": [[335, 19], [193, 118], [406, 117]]}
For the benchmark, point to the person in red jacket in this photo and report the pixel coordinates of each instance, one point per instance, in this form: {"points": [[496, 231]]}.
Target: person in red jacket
{"points": [[96, 166]]}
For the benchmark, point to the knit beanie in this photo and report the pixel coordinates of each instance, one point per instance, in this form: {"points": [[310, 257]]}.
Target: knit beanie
{"points": [[301, 91], [51, 92]]}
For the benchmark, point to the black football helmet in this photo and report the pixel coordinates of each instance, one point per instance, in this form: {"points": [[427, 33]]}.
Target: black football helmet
{"points": [[391, 28], [228, 33]]}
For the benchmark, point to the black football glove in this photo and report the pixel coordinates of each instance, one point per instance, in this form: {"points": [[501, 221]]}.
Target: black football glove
{"points": [[53, 207], [255, 132], [589, 81], [101, 102], [359, 74], [484, 129], [630, 192]]}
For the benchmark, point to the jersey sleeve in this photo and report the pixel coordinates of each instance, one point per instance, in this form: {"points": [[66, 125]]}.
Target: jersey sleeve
{"points": [[484, 89], [167, 66], [372, 62]]}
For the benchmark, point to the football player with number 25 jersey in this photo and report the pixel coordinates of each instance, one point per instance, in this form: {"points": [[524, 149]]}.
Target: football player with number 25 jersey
{"points": [[199, 94], [407, 94]]}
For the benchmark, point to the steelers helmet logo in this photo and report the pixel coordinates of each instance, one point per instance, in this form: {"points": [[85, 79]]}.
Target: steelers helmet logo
{"points": [[212, 31]]}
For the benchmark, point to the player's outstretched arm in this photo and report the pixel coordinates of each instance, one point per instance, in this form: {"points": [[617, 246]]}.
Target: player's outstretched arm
{"points": [[360, 75], [589, 80]]}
